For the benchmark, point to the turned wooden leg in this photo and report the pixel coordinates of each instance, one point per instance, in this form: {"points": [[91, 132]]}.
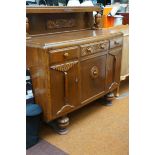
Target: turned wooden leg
{"points": [[60, 124], [117, 92], [108, 98]]}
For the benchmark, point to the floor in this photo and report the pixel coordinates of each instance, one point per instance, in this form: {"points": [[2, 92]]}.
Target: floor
{"points": [[96, 129]]}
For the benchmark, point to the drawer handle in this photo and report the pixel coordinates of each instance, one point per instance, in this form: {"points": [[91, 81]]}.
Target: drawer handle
{"points": [[102, 46], [90, 50], [66, 54], [94, 72], [116, 43]]}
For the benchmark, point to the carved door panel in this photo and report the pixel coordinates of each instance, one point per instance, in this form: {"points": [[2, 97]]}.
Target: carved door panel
{"points": [[93, 75], [113, 68], [64, 87]]}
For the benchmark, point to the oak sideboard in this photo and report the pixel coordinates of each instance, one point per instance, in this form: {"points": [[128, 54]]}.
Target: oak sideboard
{"points": [[71, 59]]}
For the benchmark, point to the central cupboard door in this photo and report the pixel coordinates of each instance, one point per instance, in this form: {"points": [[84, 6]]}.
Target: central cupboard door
{"points": [[93, 78]]}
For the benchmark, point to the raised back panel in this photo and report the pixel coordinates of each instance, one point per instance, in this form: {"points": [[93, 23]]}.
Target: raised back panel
{"points": [[41, 23]]}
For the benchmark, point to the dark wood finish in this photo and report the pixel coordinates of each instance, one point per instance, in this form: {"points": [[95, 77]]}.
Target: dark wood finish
{"points": [[38, 62], [113, 68], [93, 77], [71, 69], [58, 22], [64, 54], [64, 83], [58, 9], [91, 48]]}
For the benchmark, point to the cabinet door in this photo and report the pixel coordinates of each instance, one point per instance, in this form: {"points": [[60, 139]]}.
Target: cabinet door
{"points": [[113, 68], [93, 75], [64, 87]]}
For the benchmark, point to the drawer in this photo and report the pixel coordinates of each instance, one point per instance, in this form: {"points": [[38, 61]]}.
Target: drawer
{"points": [[64, 54], [116, 42], [92, 48]]}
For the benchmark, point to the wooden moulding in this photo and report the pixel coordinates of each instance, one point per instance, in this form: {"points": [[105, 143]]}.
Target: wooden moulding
{"points": [[66, 9]]}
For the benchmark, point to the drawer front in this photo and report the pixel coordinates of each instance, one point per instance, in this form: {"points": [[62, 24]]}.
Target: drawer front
{"points": [[116, 42], [92, 48], [61, 55]]}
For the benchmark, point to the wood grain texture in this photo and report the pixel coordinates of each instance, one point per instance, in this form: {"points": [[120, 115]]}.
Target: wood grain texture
{"points": [[67, 39], [58, 22], [113, 68], [38, 62], [56, 9], [65, 79], [91, 86]]}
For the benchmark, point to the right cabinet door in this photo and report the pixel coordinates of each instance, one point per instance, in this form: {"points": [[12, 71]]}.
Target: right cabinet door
{"points": [[113, 68]]}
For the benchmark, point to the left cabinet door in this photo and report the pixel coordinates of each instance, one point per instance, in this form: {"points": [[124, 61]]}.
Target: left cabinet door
{"points": [[64, 87]]}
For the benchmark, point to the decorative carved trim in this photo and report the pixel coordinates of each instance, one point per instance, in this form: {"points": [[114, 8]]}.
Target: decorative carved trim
{"points": [[65, 106], [97, 24], [60, 23], [113, 84], [64, 67], [94, 47]]}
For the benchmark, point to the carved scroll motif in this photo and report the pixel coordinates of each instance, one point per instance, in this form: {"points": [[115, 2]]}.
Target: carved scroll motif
{"points": [[64, 67], [93, 48], [113, 84], [60, 23], [97, 24]]}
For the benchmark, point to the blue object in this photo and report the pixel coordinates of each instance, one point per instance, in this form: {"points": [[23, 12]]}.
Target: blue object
{"points": [[33, 109], [94, 2], [33, 117]]}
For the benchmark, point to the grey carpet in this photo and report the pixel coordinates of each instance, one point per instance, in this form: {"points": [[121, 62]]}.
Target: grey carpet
{"points": [[44, 148]]}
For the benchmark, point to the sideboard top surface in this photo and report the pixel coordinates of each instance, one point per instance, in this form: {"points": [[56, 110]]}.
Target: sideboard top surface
{"points": [[70, 38]]}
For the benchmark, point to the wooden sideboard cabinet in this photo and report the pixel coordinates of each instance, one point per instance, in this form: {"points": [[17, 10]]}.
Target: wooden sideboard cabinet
{"points": [[72, 60]]}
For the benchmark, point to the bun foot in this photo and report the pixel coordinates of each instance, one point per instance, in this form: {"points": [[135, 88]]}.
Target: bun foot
{"points": [[107, 100], [60, 125]]}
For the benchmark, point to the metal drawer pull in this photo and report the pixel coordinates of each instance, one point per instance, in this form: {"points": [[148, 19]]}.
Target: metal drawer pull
{"points": [[116, 43], [103, 46], [66, 54], [89, 49], [94, 72]]}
